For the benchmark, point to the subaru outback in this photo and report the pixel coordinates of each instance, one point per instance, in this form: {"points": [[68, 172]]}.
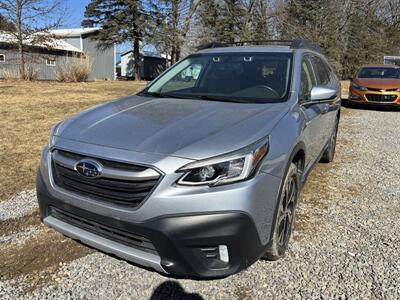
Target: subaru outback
{"points": [[198, 175]]}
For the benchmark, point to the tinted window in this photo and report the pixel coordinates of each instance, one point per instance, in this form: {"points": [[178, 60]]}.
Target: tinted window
{"points": [[380, 72], [308, 80], [249, 77], [321, 71]]}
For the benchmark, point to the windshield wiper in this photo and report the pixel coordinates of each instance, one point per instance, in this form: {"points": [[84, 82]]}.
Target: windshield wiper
{"points": [[194, 96], [221, 98], [163, 95]]}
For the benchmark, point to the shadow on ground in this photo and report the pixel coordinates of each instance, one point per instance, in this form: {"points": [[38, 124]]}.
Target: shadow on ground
{"points": [[173, 290]]}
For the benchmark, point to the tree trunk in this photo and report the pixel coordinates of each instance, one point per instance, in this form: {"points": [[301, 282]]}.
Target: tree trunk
{"points": [[178, 53], [175, 36], [21, 61], [20, 41], [136, 58], [173, 55]]}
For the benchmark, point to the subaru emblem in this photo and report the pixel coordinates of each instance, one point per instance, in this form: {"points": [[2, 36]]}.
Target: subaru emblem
{"points": [[88, 168]]}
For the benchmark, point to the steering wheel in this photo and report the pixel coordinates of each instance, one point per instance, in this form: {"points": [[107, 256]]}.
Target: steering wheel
{"points": [[269, 89]]}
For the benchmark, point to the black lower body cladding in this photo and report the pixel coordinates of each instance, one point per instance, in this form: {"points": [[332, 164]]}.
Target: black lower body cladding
{"points": [[187, 244]]}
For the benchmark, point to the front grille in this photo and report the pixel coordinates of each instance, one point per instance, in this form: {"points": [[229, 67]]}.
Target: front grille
{"points": [[382, 90], [381, 98], [124, 192], [123, 237], [104, 162]]}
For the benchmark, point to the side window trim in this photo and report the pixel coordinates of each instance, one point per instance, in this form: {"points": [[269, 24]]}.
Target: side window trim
{"points": [[307, 56]]}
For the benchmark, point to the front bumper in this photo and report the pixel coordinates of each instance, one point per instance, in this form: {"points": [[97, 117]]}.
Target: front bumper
{"points": [[361, 97], [184, 243]]}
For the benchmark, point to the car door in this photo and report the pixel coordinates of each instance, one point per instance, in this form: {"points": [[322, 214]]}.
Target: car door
{"points": [[325, 77], [314, 128]]}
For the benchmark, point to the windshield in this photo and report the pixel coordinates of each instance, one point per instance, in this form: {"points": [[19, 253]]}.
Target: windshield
{"points": [[236, 77], [380, 72]]}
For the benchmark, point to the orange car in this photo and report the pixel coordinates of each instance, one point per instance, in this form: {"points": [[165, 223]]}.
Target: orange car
{"points": [[376, 84]]}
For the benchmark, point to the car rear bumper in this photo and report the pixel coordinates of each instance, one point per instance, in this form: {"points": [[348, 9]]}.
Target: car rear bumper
{"points": [[181, 245]]}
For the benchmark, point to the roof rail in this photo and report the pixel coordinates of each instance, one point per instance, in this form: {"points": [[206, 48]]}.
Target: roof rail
{"points": [[293, 44]]}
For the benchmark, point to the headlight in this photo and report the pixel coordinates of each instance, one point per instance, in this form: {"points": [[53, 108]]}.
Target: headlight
{"points": [[358, 87], [236, 166], [53, 135]]}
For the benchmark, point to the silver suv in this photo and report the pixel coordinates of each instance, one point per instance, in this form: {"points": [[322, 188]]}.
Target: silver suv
{"points": [[197, 175]]}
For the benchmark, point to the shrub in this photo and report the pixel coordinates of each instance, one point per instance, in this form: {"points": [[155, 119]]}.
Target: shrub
{"points": [[31, 73], [76, 69], [9, 75]]}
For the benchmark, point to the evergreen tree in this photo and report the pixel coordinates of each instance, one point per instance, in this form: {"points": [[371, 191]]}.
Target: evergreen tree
{"points": [[316, 21], [260, 29], [208, 21], [229, 20], [120, 21]]}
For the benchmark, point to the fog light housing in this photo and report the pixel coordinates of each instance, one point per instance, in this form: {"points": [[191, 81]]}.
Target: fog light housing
{"points": [[223, 253], [354, 97]]}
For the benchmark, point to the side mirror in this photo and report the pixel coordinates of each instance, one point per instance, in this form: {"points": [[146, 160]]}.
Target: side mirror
{"points": [[320, 93]]}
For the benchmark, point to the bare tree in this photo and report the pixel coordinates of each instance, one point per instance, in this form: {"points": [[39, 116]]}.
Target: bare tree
{"points": [[30, 22], [171, 25]]}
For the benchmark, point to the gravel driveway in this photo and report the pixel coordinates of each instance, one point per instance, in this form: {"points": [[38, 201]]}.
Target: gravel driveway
{"points": [[346, 243]]}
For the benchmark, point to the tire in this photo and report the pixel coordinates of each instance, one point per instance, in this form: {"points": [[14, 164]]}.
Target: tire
{"points": [[329, 152], [284, 216]]}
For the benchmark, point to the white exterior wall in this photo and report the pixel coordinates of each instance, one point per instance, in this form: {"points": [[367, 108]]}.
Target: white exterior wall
{"points": [[127, 65]]}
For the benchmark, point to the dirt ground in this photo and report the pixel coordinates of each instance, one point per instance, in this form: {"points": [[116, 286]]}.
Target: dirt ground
{"points": [[27, 112]]}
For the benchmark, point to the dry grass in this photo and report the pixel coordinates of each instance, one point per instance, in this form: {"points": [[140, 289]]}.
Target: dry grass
{"points": [[345, 88], [27, 112]]}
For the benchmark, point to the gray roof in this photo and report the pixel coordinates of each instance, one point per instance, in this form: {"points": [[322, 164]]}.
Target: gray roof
{"points": [[53, 44], [73, 32]]}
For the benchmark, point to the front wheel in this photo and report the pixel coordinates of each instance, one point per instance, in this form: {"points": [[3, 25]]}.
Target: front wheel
{"points": [[284, 216], [329, 152]]}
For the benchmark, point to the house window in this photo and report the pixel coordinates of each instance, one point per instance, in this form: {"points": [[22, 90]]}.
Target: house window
{"points": [[50, 62], [2, 58]]}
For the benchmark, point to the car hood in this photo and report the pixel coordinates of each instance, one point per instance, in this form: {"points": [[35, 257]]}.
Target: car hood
{"points": [[378, 83], [187, 128]]}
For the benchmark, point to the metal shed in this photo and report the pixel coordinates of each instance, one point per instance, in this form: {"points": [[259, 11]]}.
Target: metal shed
{"points": [[151, 66], [69, 45]]}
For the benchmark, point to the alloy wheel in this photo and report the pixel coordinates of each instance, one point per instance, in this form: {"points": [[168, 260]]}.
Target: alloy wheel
{"points": [[286, 212]]}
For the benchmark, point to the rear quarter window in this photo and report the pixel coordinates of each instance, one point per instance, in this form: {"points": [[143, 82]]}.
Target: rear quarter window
{"points": [[321, 71]]}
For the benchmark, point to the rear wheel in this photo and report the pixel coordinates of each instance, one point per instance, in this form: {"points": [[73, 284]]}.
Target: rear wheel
{"points": [[284, 216], [329, 152]]}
